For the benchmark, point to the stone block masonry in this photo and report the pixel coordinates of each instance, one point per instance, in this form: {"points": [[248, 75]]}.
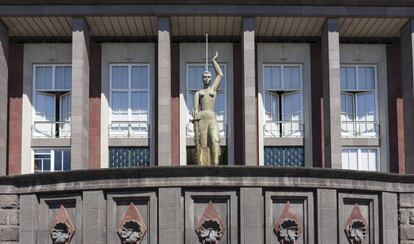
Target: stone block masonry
{"points": [[9, 219]]}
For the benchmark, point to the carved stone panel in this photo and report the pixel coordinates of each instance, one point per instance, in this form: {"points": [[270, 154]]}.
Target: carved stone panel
{"points": [[289, 217], [356, 228], [288, 227], [132, 228], [62, 229], [211, 218], [210, 227]]}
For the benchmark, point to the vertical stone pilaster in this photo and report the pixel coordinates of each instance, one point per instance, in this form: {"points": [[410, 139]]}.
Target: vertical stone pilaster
{"points": [[28, 219], [389, 216], [327, 210], [170, 216], [407, 66], [164, 92], [4, 75], [80, 94], [94, 217], [251, 212], [331, 93], [250, 148]]}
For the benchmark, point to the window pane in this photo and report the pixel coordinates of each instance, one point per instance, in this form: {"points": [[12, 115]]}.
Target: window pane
{"points": [[119, 106], [39, 83], [272, 77], [291, 107], [68, 77], [60, 77], [372, 165], [66, 159], [120, 77], [220, 106], [366, 78], [58, 160], [366, 107], [46, 165], [291, 77], [47, 78], [139, 77], [348, 78], [353, 159], [139, 106], [345, 158]]}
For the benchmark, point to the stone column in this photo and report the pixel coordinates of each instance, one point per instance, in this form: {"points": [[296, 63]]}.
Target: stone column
{"points": [[28, 219], [164, 92], [94, 217], [171, 216], [407, 66], [390, 217], [331, 93], [4, 44], [80, 94], [251, 213], [250, 148], [327, 211]]}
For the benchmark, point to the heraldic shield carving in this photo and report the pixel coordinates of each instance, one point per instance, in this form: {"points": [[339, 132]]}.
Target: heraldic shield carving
{"points": [[62, 229], [356, 227], [288, 227], [132, 228], [210, 227]]}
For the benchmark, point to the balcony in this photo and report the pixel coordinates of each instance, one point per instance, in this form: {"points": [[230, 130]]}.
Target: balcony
{"points": [[283, 129], [51, 129], [129, 129], [359, 129]]}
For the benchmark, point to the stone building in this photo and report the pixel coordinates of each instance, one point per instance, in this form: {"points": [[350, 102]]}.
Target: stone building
{"points": [[315, 111]]}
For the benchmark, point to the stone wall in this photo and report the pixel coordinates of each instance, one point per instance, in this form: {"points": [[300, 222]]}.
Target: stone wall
{"points": [[9, 219], [406, 218]]}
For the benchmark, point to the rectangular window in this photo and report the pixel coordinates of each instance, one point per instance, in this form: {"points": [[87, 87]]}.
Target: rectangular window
{"points": [[284, 156], [129, 99], [283, 100], [358, 101], [49, 160], [125, 157], [360, 158], [195, 83], [52, 102]]}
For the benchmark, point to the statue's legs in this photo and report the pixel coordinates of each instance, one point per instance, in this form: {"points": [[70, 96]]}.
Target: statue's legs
{"points": [[203, 136], [214, 142]]}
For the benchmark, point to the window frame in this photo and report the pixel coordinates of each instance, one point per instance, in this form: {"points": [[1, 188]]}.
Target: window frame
{"points": [[361, 91], [223, 81], [280, 97], [52, 153], [377, 163], [130, 90]]}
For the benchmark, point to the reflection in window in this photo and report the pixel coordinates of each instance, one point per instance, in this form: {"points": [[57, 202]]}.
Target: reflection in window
{"points": [[358, 101], [52, 101], [129, 85], [282, 100], [195, 83], [48, 160], [360, 158]]}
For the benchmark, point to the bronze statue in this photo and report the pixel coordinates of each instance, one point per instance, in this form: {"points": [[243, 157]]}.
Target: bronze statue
{"points": [[207, 138]]}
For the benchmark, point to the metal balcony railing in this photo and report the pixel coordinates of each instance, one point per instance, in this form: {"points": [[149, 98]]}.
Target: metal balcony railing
{"points": [[51, 129], [360, 129], [283, 129], [129, 129]]}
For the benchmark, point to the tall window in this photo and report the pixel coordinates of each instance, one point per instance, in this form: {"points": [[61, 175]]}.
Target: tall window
{"points": [[195, 83], [48, 160], [129, 99], [358, 101], [360, 158], [52, 85], [283, 100]]}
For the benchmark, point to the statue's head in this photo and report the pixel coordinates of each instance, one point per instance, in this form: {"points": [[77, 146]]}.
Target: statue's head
{"points": [[206, 77]]}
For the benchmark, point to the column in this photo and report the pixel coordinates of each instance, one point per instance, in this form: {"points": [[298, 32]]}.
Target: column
{"points": [[389, 214], [171, 216], [327, 212], [4, 76], [251, 215], [331, 94], [407, 64], [164, 92], [80, 94], [250, 147]]}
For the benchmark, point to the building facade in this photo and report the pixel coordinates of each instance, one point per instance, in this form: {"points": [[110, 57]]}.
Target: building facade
{"points": [[315, 114]]}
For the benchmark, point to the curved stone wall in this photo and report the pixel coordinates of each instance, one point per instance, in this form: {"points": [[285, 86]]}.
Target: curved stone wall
{"points": [[207, 205]]}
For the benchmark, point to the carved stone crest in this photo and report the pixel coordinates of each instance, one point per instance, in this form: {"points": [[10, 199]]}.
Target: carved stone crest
{"points": [[132, 228], [288, 228], [210, 227], [356, 227], [62, 229]]}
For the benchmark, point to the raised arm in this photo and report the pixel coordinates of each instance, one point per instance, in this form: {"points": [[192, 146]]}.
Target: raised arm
{"points": [[219, 73]]}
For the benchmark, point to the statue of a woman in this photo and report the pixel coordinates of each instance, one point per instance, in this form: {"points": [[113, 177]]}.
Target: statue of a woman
{"points": [[206, 129]]}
